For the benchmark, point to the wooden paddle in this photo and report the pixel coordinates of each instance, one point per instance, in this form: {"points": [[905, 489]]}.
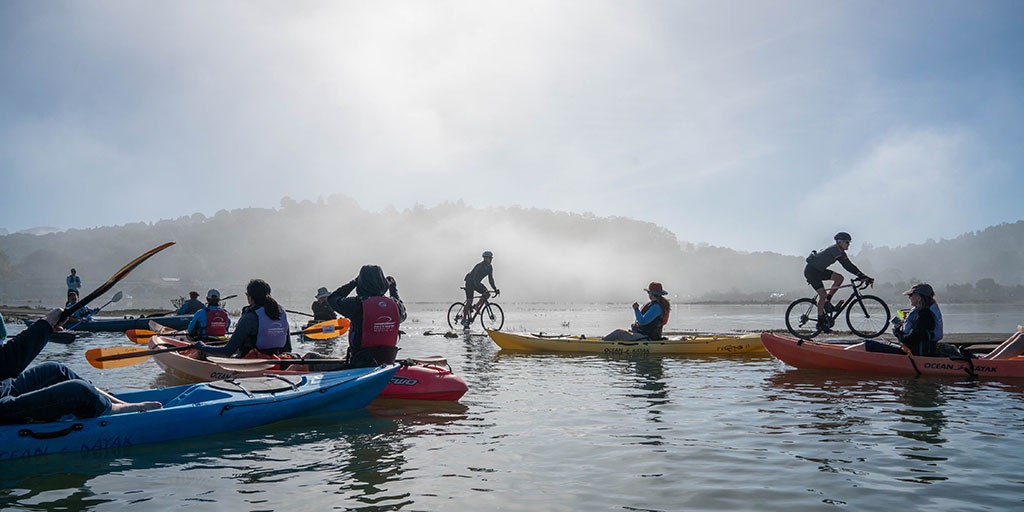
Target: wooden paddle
{"points": [[59, 336], [114, 279]]}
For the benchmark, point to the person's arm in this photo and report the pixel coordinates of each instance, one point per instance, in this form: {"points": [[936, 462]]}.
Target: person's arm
{"points": [[850, 267], [194, 324], [335, 298], [490, 277], [393, 291], [17, 353], [649, 316], [182, 308]]}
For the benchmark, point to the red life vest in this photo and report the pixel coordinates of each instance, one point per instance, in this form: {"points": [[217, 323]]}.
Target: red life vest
{"points": [[216, 322], [380, 322]]}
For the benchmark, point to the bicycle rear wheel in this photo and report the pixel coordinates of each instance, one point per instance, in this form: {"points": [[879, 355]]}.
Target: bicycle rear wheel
{"points": [[868, 317], [492, 317], [802, 318], [455, 315]]}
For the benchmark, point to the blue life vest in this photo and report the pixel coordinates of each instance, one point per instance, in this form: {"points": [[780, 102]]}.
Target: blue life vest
{"points": [[272, 334], [933, 335]]}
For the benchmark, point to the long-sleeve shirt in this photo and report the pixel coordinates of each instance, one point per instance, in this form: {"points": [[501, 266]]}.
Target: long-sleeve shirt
{"points": [[18, 352], [821, 260], [352, 308]]}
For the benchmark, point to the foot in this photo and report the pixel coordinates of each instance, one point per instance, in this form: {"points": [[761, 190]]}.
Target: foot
{"points": [[117, 408]]}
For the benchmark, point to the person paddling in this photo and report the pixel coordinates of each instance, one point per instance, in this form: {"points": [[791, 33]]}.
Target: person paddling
{"points": [[650, 319], [262, 330], [211, 321], [51, 390]]}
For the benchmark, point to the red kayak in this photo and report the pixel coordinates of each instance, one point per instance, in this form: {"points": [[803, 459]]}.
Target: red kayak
{"points": [[880, 357], [417, 379]]}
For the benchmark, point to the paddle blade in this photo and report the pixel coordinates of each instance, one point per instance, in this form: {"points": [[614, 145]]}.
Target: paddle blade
{"points": [[140, 336], [327, 329], [127, 356], [62, 337]]}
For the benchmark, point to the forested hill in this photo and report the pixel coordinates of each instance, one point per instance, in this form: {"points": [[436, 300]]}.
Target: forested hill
{"points": [[540, 256]]}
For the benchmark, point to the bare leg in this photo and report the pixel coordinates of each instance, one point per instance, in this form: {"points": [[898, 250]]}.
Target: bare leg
{"points": [[118, 406]]}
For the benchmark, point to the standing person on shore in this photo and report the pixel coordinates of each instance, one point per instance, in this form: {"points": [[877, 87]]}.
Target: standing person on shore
{"points": [[322, 311], [262, 330], [73, 281], [922, 329], [373, 333], [49, 391], [650, 319]]}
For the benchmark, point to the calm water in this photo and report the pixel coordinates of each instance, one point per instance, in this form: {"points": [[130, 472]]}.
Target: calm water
{"points": [[546, 432]]}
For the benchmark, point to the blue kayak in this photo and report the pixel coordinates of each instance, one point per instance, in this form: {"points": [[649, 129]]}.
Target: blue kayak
{"points": [[200, 409], [100, 324]]}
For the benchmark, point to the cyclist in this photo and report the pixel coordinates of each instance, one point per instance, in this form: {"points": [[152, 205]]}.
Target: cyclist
{"points": [[817, 271], [474, 283]]}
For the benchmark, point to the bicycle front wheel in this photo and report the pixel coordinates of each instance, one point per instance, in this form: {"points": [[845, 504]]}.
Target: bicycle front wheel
{"points": [[492, 317], [802, 318], [868, 316], [455, 313]]}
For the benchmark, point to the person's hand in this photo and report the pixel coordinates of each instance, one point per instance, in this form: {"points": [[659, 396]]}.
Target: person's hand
{"points": [[636, 305], [53, 317], [200, 346], [391, 280]]}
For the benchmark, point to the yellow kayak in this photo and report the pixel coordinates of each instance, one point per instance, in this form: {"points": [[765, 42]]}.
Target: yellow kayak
{"points": [[703, 344]]}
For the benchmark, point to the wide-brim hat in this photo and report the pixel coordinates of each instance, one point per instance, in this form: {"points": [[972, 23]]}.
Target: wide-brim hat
{"points": [[655, 288], [322, 292], [922, 289]]}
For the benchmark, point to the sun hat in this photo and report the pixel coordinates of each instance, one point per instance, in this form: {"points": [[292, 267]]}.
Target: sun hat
{"points": [[488, 254], [922, 289], [213, 294], [322, 292], [655, 288]]}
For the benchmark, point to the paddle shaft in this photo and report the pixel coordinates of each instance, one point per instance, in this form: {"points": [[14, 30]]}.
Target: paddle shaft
{"points": [[298, 313]]}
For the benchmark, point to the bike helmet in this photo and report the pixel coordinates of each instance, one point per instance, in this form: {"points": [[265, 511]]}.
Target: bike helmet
{"points": [[488, 254], [843, 236]]}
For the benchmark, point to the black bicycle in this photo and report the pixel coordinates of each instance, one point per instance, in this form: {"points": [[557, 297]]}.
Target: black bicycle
{"points": [[490, 314], [866, 315]]}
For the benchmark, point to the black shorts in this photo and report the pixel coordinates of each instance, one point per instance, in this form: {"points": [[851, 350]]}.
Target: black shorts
{"points": [[816, 277], [471, 287]]}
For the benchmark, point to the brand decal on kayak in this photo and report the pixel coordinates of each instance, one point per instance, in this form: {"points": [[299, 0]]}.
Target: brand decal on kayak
{"points": [[108, 442], [627, 351], [960, 367], [404, 381]]}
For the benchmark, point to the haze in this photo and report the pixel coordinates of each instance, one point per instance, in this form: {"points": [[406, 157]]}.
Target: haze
{"points": [[760, 126]]}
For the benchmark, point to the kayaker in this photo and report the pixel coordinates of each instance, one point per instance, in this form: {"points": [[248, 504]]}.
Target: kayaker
{"points": [[262, 329], [210, 321], [74, 282], [49, 391], [817, 271], [650, 319], [922, 329], [191, 305], [373, 332], [322, 311], [84, 314], [474, 283]]}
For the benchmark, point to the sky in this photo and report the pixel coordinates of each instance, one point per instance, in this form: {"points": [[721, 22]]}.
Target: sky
{"points": [[755, 125]]}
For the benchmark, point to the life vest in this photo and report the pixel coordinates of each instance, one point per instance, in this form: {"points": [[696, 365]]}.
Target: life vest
{"points": [[933, 335], [273, 334], [937, 333], [216, 322], [653, 329], [380, 322]]}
